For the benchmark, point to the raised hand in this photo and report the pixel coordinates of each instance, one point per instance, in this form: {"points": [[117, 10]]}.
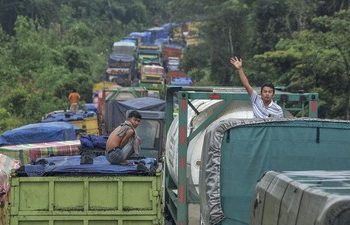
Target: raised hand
{"points": [[236, 62]]}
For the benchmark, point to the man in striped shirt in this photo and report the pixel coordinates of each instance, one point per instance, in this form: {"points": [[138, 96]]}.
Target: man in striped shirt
{"points": [[263, 106]]}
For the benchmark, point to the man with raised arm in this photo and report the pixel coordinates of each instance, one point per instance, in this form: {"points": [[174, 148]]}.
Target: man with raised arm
{"points": [[263, 105]]}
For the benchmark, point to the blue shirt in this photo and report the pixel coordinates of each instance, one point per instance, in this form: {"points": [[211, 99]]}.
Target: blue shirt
{"points": [[262, 111]]}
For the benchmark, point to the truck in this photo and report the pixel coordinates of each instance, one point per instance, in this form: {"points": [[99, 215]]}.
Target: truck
{"points": [[149, 54], [171, 50], [121, 63], [302, 197], [171, 75], [121, 69], [152, 78], [159, 34], [112, 95], [199, 109], [97, 197], [173, 64]]}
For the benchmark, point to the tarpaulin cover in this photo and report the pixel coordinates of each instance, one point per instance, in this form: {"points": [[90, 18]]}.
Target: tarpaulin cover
{"points": [[25, 153], [113, 58], [91, 107], [237, 152], [181, 81], [93, 141], [162, 41], [168, 26], [115, 111], [6, 165], [71, 165], [145, 36], [68, 116], [39, 133]]}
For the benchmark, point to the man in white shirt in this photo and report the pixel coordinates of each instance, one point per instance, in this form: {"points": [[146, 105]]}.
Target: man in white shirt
{"points": [[263, 105]]}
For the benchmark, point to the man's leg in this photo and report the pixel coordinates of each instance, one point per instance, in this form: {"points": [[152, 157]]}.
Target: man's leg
{"points": [[114, 156]]}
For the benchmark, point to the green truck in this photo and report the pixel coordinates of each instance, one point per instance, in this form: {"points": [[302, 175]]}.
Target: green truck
{"points": [[153, 79], [148, 55], [95, 199]]}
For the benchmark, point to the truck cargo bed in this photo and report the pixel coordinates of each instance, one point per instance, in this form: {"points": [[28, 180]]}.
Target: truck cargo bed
{"points": [[85, 200]]}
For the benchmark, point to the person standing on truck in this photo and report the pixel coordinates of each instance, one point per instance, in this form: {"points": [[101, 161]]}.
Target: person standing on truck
{"points": [[263, 105], [123, 141], [74, 98]]}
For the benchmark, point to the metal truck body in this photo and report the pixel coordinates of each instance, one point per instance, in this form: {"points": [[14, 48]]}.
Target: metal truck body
{"points": [[171, 51], [149, 54], [236, 153], [121, 63], [198, 108], [302, 197], [121, 69], [90, 199], [152, 78], [152, 74]]}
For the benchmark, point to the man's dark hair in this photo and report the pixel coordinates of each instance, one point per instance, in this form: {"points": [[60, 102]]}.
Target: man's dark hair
{"points": [[268, 84], [135, 114]]}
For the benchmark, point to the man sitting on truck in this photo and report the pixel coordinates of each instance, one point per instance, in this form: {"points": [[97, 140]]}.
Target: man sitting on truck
{"points": [[123, 141], [263, 106]]}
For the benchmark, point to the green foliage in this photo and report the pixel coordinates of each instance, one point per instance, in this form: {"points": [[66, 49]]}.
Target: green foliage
{"points": [[9, 121], [48, 48], [316, 60]]}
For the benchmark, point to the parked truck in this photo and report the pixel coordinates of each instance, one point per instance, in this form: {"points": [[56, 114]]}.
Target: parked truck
{"points": [[171, 75], [149, 54], [121, 63], [302, 197], [171, 51], [152, 78], [93, 194], [188, 145]]}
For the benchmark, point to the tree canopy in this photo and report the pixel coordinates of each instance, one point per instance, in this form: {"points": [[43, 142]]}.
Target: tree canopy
{"points": [[47, 48]]}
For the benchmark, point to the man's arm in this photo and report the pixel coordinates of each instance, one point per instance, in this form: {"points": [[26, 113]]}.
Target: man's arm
{"points": [[237, 63], [129, 133]]}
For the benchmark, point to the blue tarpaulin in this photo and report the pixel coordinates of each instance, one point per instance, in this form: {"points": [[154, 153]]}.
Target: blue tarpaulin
{"points": [[39, 133], [90, 107], [67, 116], [71, 165], [145, 36], [182, 81], [93, 141]]}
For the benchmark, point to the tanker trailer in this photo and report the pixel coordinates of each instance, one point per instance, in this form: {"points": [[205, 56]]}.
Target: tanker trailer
{"points": [[205, 108], [198, 108]]}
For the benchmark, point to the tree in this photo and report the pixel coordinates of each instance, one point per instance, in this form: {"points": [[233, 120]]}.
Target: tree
{"points": [[316, 60]]}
